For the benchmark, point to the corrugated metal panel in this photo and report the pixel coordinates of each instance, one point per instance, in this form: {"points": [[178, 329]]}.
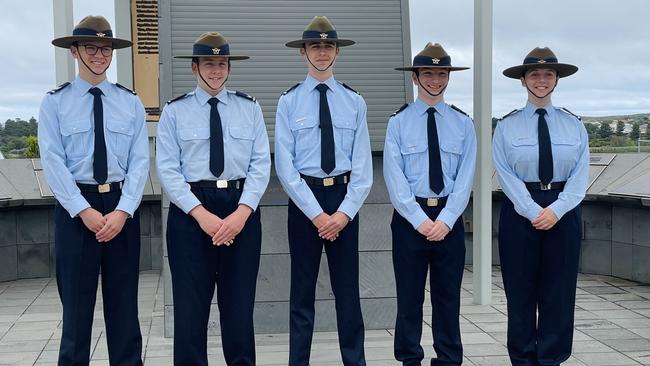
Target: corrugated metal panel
{"points": [[260, 28]]}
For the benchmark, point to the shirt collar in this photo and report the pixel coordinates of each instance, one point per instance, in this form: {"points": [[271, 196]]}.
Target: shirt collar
{"points": [[529, 110], [311, 83], [421, 107], [82, 86], [202, 96]]}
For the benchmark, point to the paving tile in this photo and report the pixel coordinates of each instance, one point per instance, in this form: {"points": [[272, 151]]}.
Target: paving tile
{"points": [[628, 345], [603, 334], [605, 359]]}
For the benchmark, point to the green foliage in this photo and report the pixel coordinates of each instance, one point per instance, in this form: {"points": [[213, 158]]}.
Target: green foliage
{"points": [[636, 131], [13, 142], [620, 128], [619, 141], [32, 151], [592, 129], [605, 130]]}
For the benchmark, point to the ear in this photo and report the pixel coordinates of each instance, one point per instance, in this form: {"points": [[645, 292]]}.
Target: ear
{"points": [[302, 51], [414, 78], [74, 51], [523, 81], [195, 70], [337, 50]]}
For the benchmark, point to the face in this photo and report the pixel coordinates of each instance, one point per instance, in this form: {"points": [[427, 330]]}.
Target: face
{"points": [[433, 79], [320, 54], [93, 55], [540, 82], [214, 71]]}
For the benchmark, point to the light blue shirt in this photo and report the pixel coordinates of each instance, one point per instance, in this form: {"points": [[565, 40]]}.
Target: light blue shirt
{"points": [[66, 139], [516, 157], [183, 146], [298, 146], [406, 161]]}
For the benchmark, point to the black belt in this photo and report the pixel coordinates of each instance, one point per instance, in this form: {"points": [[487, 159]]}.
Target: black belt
{"points": [[327, 181], [100, 188], [431, 202], [539, 186], [222, 183]]}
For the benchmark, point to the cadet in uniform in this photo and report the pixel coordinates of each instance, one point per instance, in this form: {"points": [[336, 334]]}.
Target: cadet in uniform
{"points": [[214, 164], [94, 150], [323, 161], [429, 160], [541, 154]]}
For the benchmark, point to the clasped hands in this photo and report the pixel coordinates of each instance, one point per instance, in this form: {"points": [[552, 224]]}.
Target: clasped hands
{"points": [[329, 226], [433, 230], [105, 227], [222, 231]]}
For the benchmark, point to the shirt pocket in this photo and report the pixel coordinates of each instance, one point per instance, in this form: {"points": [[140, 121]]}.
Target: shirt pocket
{"points": [[242, 138], [450, 151], [344, 134], [416, 159], [523, 156], [306, 134], [565, 152], [76, 138], [119, 139]]}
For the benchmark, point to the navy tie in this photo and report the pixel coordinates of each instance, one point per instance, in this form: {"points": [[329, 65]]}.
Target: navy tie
{"points": [[100, 166], [327, 161], [216, 139], [436, 181], [545, 152]]}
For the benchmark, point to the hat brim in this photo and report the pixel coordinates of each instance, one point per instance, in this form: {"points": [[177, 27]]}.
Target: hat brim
{"points": [[413, 68], [66, 42], [231, 57], [563, 70], [339, 42]]}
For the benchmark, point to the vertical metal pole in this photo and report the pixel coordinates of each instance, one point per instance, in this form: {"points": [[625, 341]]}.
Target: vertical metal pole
{"points": [[64, 63], [482, 198], [124, 57]]}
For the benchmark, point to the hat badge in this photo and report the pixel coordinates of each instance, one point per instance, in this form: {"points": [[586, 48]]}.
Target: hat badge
{"points": [[541, 61], [323, 35], [100, 34], [215, 51], [435, 61]]}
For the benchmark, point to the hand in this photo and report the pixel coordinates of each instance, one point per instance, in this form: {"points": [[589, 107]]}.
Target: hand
{"points": [[545, 220], [92, 219], [112, 226], [209, 222], [438, 232], [426, 227], [231, 226], [330, 231]]}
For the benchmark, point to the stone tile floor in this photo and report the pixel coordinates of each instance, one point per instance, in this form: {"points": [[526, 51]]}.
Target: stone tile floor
{"points": [[612, 327]]}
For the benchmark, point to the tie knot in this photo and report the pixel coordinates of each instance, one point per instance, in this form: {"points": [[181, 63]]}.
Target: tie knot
{"points": [[431, 111], [213, 101], [322, 88], [541, 111], [95, 91]]}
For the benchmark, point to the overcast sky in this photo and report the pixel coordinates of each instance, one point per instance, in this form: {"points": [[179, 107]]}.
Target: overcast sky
{"points": [[608, 41]]}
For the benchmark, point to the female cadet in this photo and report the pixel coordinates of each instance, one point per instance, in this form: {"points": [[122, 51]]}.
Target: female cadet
{"points": [[541, 154], [429, 160], [214, 163]]}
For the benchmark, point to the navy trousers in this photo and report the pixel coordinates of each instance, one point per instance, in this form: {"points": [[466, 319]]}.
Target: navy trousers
{"points": [[540, 270], [196, 265], [79, 258], [343, 260], [413, 257]]}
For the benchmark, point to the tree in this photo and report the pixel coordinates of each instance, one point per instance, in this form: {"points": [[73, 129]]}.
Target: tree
{"points": [[605, 130], [32, 151], [592, 129], [636, 131], [620, 128]]}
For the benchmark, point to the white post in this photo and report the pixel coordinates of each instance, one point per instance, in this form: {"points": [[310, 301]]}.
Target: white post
{"points": [[482, 198], [63, 61], [123, 57]]}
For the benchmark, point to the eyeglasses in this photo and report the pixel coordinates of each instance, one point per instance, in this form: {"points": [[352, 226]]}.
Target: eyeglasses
{"points": [[92, 50]]}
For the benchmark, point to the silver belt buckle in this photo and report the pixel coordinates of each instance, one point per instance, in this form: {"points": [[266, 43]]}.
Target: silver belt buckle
{"points": [[104, 188], [544, 187], [221, 183], [327, 182], [432, 202]]}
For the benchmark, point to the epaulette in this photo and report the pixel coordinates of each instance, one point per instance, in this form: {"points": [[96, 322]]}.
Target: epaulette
{"points": [[290, 89], [125, 88], [246, 96], [399, 110], [509, 114], [59, 88], [346, 86], [569, 112], [459, 110], [177, 98]]}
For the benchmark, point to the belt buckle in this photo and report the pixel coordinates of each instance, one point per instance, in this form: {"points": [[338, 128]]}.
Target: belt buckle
{"points": [[104, 188], [432, 202], [222, 183], [327, 182], [544, 187]]}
